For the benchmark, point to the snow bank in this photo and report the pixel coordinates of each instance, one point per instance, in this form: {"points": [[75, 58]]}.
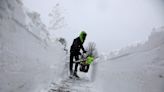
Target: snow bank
{"points": [[155, 39], [134, 69], [28, 61]]}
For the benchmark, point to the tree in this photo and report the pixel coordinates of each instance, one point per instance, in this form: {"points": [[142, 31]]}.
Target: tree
{"points": [[56, 18], [91, 49]]}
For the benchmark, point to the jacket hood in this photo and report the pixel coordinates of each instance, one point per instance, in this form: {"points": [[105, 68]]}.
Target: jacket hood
{"points": [[83, 35]]}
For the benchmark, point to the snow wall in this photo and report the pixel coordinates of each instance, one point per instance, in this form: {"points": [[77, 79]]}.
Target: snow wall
{"points": [[28, 60]]}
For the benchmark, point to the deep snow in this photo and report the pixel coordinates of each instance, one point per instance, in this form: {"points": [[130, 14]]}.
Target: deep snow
{"points": [[32, 62], [29, 61], [137, 68]]}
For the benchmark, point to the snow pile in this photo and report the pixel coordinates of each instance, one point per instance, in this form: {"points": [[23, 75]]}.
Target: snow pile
{"points": [[139, 68], [27, 63], [35, 25], [154, 40]]}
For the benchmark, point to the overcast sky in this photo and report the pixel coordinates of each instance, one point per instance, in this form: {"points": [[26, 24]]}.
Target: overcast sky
{"points": [[111, 24]]}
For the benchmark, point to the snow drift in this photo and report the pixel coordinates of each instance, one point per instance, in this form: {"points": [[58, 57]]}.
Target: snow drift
{"points": [[28, 60], [138, 68]]}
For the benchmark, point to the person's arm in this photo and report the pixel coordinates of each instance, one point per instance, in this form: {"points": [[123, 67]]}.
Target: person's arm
{"points": [[81, 46]]}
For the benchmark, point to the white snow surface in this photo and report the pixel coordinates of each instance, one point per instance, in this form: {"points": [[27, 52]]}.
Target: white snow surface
{"points": [[28, 61], [138, 68], [31, 62]]}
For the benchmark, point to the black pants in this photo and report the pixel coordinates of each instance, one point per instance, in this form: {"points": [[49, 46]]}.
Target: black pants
{"points": [[72, 56]]}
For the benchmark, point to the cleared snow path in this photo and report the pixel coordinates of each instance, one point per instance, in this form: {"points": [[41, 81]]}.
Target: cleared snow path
{"points": [[70, 85], [65, 84]]}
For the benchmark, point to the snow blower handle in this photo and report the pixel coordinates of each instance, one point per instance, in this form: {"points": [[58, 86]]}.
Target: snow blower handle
{"points": [[82, 58], [84, 55]]}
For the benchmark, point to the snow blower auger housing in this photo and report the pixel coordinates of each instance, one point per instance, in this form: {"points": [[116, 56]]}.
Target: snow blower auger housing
{"points": [[85, 63]]}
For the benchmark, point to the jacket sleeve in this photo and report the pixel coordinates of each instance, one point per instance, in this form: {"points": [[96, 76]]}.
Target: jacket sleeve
{"points": [[81, 46]]}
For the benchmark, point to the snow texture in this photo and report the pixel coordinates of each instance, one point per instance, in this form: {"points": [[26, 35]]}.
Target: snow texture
{"points": [[138, 68], [28, 61], [31, 62]]}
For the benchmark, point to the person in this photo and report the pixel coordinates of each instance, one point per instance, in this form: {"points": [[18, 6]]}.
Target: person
{"points": [[76, 46]]}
